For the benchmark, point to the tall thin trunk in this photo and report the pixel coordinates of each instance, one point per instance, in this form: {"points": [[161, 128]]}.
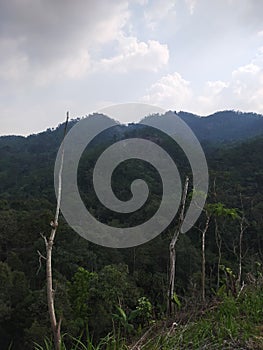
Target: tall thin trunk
{"points": [[242, 230], [240, 251], [219, 246], [203, 254], [55, 324], [172, 249]]}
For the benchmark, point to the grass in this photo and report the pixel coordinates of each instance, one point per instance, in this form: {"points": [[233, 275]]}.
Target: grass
{"points": [[231, 323], [107, 343]]}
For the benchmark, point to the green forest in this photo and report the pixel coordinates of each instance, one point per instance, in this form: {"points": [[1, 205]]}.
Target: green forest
{"points": [[113, 299]]}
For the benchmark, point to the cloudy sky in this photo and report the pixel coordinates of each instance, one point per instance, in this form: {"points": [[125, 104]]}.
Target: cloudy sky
{"points": [[193, 55]]}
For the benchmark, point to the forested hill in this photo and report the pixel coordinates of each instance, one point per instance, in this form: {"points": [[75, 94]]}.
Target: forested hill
{"points": [[125, 290], [30, 157], [224, 126]]}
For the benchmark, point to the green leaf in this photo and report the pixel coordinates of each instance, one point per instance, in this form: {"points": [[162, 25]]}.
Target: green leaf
{"points": [[176, 300], [122, 313]]}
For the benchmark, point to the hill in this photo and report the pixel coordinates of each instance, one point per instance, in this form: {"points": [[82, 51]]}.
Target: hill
{"points": [[224, 126], [93, 281]]}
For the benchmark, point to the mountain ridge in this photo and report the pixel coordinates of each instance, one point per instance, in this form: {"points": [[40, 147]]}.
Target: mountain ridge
{"points": [[221, 126], [224, 126]]}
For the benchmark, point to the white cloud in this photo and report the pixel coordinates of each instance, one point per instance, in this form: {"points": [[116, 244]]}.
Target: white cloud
{"points": [[211, 99], [216, 87], [250, 68], [157, 11], [171, 91], [243, 91], [136, 55], [247, 87]]}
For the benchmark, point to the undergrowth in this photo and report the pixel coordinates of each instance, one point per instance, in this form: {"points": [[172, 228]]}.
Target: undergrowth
{"points": [[230, 323], [235, 323]]}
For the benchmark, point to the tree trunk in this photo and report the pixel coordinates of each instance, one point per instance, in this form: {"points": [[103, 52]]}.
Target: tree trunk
{"points": [[203, 254], [170, 306], [55, 325], [219, 245], [242, 230]]}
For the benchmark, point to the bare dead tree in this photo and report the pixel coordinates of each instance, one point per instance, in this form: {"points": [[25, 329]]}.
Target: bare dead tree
{"points": [[55, 323], [172, 249], [208, 213], [243, 227], [208, 216], [218, 238]]}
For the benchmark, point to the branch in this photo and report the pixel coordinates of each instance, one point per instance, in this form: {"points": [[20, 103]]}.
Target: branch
{"points": [[44, 238], [241, 289], [40, 257]]}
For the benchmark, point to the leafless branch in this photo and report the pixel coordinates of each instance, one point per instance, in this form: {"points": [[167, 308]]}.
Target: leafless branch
{"points": [[40, 257]]}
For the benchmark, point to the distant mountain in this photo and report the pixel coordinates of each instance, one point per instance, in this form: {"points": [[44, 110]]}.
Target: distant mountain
{"points": [[24, 160], [224, 126]]}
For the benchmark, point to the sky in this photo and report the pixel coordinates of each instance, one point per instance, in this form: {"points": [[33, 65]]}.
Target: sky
{"points": [[198, 56]]}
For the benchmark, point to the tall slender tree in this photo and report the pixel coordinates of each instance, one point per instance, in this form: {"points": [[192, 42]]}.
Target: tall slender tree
{"points": [[172, 249], [49, 242], [204, 231]]}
